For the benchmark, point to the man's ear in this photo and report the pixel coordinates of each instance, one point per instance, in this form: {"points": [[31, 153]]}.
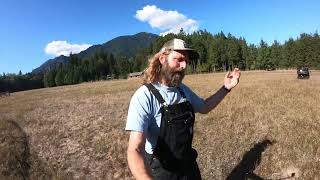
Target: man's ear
{"points": [[162, 58]]}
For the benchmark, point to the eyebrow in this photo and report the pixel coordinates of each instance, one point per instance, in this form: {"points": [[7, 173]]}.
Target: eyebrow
{"points": [[182, 59]]}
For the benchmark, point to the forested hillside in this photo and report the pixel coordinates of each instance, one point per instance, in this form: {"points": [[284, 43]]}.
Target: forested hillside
{"points": [[218, 52]]}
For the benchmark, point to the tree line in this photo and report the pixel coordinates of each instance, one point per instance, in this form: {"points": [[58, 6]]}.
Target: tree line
{"points": [[218, 52], [19, 82], [101, 66], [221, 52]]}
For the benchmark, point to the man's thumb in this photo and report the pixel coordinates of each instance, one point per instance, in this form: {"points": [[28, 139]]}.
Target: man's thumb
{"points": [[227, 75]]}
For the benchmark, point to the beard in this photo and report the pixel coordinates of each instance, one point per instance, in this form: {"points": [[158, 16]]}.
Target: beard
{"points": [[173, 77]]}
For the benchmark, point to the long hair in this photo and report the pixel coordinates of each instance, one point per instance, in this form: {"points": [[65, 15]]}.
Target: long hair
{"points": [[152, 73]]}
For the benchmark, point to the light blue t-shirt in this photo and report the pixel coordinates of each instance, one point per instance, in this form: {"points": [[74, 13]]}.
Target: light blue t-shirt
{"points": [[144, 110]]}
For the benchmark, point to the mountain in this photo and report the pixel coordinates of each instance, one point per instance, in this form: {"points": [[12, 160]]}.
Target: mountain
{"points": [[51, 64], [124, 46]]}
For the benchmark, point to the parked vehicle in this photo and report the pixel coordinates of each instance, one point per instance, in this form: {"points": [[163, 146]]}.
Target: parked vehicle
{"points": [[303, 73]]}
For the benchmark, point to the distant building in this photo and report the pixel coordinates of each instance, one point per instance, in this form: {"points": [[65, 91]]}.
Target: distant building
{"points": [[4, 93], [135, 74]]}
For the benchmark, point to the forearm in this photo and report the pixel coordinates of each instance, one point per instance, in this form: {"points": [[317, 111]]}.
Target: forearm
{"points": [[139, 168], [212, 101]]}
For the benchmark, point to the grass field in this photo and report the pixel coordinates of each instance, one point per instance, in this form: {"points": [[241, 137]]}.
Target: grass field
{"points": [[269, 125]]}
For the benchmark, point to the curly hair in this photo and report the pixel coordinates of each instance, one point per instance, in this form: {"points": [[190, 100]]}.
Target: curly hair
{"points": [[152, 72]]}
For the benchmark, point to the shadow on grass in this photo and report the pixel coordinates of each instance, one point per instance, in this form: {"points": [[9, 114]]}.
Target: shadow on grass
{"points": [[249, 162], [15, 151], [16, 160]]}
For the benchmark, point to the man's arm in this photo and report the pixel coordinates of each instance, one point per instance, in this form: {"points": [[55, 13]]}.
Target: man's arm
{"points": [[212, 101], [230, 81], [135, 154]]}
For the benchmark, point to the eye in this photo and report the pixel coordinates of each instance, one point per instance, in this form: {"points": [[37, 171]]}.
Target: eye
{"points": [[181, 59]]}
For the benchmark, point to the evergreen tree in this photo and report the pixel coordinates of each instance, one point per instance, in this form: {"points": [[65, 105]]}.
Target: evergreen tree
{"points": [[48, 79], [59, 79], [275, 54], [251, 60], [263, 58], [289, 54], [68, 77]]}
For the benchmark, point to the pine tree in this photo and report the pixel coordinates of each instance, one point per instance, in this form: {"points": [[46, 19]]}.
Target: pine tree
{"points": [[275, 54], [59, 79], [48, 79], [263, 58], [289, 54]]}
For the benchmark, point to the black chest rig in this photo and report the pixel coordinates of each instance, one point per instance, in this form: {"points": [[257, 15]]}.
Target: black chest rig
{"points": [[174, 145]]}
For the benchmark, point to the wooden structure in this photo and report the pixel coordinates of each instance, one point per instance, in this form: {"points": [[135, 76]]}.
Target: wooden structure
{"points": [[135, 74], [4, 93]]}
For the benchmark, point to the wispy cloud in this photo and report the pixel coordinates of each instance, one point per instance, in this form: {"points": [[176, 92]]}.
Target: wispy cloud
{"points": [[167, 21], [58, 48]]}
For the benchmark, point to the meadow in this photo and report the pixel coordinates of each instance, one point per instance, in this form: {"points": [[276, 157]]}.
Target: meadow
{"points": [[267, 127]]}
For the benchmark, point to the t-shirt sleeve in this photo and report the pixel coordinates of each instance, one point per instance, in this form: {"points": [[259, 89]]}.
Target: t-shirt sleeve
{"points": [[196, 101], [139, 111]]}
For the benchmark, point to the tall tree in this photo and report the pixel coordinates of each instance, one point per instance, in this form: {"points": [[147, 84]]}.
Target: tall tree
{"points": [[48, 79], [275, 54]]}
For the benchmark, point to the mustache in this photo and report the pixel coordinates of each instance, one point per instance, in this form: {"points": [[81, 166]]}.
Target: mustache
{"points": [[173, 76], [180, 71]]}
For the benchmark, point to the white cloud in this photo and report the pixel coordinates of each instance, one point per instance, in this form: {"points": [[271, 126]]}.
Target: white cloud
{"points": [[58, 48], [167, 21]]}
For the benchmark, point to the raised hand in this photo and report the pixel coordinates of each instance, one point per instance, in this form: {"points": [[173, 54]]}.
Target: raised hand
{"points": [[232, 78]]}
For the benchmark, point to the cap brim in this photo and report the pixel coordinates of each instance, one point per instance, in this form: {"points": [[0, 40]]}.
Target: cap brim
{"points": [[193, 54]]}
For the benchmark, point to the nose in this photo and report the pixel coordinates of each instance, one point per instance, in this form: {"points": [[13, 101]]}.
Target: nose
{"points": [[183, 64]]}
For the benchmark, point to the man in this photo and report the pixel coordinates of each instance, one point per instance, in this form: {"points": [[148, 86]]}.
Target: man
{"points": [[161, 116]]}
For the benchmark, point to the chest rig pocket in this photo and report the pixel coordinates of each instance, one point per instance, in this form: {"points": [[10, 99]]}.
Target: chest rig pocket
{"points": [[174, 143]]}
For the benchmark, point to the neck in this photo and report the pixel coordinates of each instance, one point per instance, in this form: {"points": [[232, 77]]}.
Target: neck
{"points": [[163, 81]]}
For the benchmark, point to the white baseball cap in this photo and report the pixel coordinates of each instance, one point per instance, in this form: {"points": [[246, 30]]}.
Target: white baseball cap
{"points": [[180, 45]]}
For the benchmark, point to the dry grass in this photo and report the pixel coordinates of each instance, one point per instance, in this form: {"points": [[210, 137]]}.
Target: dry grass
{"points": [[77, 132]]}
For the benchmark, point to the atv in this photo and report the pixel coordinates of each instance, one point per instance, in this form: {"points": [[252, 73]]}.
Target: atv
{"points": [[303, 73]]}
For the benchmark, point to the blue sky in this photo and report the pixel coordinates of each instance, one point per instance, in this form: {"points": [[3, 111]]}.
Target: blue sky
{"points": [[33, 31]]}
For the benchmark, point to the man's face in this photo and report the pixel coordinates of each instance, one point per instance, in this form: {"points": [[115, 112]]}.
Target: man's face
{"points": [[173, 68]]}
